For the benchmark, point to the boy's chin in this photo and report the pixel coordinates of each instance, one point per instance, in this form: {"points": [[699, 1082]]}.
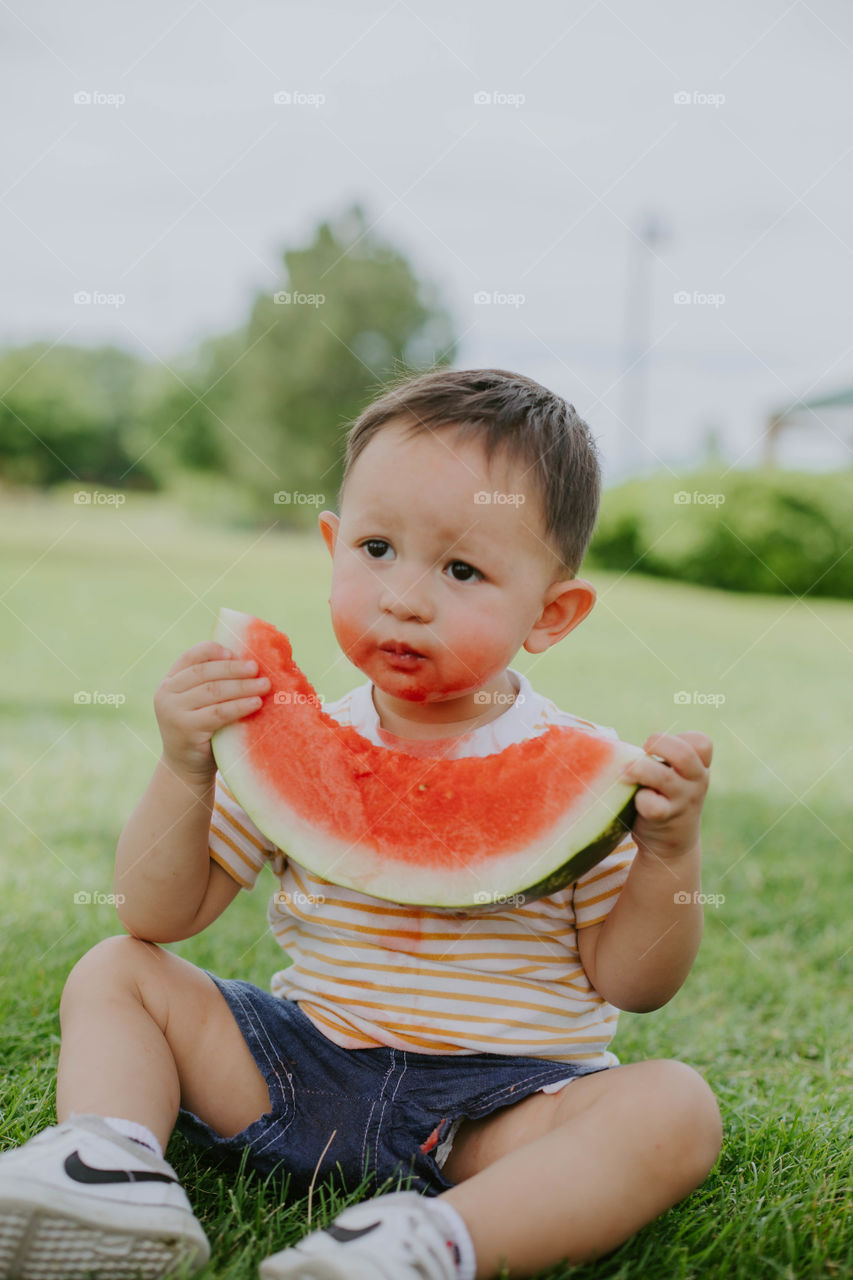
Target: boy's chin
{"points": [[415, 694], [404, 692], [424, 684]]}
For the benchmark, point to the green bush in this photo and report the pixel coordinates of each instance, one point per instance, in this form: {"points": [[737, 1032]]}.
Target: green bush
{"points": [[765, 531]]}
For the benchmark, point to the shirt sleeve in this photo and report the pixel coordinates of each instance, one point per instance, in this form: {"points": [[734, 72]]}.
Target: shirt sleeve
{"points": [[595, 893], [236, 844]]}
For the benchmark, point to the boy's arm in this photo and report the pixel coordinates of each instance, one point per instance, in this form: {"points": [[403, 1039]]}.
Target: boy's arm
{"points": [[640, 955], [166, 883], [164, 879]]}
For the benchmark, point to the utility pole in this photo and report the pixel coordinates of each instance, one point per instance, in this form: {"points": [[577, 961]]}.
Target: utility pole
{"points": [[649, 234]]}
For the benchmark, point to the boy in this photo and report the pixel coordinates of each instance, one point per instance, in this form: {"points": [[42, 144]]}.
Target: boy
{"points": [[468, 1050]]}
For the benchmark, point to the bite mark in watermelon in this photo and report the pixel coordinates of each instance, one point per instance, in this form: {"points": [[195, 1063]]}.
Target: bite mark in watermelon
{"points": [[465, 834]]}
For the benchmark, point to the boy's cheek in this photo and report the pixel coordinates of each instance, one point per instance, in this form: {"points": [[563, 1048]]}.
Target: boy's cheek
{"points": [[478, 651], [349, 634], [346, 597]]}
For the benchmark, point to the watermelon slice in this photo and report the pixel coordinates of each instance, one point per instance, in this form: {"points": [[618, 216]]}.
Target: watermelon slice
{"points": [[472, 833]]}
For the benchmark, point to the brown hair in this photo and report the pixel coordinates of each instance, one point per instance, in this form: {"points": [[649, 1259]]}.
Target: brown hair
{"points": [[539, 431]]}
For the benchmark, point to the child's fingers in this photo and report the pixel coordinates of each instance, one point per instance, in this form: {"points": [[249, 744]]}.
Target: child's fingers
{"points": [[210, 718], [702, 745], [217, 692], [655, 774], [201, 674], [652, 807], [684, 752], [204, 652]]}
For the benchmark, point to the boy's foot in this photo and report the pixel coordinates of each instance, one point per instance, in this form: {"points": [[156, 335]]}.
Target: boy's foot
{"points": [[392, 1237], [81, 1200]]}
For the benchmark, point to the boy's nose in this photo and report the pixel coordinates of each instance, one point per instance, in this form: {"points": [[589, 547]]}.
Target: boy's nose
{"points": [[406, 599]]}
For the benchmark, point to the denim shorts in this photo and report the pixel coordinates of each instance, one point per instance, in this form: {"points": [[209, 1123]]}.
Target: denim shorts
{"points": [[392, 1112]]}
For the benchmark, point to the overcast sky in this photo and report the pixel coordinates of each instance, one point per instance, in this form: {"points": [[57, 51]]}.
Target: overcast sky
{"points": [[180, 180]]}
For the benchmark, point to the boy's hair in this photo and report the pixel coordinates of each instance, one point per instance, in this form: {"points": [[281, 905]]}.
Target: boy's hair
{"points": [[538, 430]]}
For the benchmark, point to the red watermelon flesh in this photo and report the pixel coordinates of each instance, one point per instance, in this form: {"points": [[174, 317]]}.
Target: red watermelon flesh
{"points": [[470, 832]]}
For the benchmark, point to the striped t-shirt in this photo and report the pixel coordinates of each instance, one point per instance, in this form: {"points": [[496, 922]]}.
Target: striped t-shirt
{"points": [[369, 972]]}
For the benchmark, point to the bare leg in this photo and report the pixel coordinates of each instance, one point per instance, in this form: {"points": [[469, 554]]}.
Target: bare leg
{"points": [[571, 1175], [144, 1031]]}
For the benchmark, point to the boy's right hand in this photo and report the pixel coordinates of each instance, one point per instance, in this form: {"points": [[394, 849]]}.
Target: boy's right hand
{"points": [[205, 689]]}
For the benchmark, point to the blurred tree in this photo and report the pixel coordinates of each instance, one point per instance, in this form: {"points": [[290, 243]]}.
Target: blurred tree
{"points": [[350, 313], [69, 413]]}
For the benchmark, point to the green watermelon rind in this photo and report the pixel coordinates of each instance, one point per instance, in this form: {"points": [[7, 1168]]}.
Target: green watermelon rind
{"points": [[585, 840], [584, 860]]}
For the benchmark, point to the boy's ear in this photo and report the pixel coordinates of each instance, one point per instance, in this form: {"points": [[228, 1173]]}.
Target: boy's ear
{"points": [[564, 607], [329, 525]]}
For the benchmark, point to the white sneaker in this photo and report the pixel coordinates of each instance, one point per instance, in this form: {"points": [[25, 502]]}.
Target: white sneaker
{"points": [[392, 1237], [80, 1200]]}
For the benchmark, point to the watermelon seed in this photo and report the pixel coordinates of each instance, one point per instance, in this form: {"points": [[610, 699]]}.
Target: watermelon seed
{"points": [[422, 786]]}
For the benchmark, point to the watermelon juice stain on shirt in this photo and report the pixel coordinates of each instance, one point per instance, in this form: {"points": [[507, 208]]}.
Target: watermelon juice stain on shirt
{"points": [[508, 982], [407, 939]]}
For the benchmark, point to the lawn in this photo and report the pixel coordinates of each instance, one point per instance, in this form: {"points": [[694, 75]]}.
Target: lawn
{"points": [[101, 600]]}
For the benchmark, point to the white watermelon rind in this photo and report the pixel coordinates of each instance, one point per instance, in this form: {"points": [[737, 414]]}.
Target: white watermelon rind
{"points": [[593, 826]]}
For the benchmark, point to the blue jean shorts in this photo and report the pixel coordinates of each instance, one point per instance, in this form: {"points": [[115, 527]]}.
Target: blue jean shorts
{"points": [[393, 1113]]}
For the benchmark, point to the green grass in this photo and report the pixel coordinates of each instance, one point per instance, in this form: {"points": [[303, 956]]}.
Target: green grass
{"points": [[104, 599]]}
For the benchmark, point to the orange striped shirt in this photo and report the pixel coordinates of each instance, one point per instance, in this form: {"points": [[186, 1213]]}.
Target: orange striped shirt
{"points": [[370, 972]]}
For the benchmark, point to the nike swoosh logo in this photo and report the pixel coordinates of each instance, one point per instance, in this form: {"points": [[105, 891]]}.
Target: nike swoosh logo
{"points": [[349, 1233], [79, 1171]]}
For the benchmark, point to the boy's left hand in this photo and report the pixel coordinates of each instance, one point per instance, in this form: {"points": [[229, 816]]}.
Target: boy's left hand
{"points": [[669, 801]]}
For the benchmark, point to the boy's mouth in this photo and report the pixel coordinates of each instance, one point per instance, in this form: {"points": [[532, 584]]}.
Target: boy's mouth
{"points": [[400, 650]]}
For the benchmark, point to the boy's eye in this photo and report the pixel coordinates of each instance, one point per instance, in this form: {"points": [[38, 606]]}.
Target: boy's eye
{"points": [[371, 543], [468, 571]]}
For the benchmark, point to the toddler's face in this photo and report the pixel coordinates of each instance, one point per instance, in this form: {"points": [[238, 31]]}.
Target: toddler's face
{"points": [[434, 590]]}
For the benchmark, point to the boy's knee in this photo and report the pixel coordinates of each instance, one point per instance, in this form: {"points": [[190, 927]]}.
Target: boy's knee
{"points": [[690, 1107], [110, 958]]}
